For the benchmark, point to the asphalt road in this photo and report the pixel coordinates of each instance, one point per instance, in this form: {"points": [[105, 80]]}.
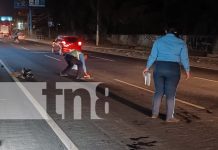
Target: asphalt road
{"points": [[24, 108]]}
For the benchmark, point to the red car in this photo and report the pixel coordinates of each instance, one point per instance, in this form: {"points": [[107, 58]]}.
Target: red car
{"points": [[64, 44]]}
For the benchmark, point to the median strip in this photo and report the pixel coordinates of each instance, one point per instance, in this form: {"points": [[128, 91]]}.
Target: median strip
{"points": [[206, 79], [201, 67], [141, 55], [144, 89]]}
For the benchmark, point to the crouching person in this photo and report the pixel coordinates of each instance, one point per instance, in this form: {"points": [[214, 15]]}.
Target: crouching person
{"points": [[75, 58], [72, 58]]}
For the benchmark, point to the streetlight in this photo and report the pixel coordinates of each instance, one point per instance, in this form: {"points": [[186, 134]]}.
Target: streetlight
{"points": [[30, 21], [97, 28]]}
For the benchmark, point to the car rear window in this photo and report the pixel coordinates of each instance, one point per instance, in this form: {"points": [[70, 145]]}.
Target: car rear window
{"points": [[71, 39]]}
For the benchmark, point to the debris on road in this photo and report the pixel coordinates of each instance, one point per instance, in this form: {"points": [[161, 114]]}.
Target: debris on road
{"points": [[25, 73]]}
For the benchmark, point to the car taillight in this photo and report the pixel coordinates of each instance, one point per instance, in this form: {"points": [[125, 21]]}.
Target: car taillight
{"points": [[80, 43]]}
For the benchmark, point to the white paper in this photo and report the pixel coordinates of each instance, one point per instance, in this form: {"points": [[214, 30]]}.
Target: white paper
{"points": [[147, 77], [75, 67]]}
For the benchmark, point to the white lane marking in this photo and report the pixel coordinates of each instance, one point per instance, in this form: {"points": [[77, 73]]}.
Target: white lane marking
{"points": [[102, 58], [141, 88], [58, 131], [52, 57], [206, 79], [39, 52], [105, 48], [138, 87], [25, 48]]}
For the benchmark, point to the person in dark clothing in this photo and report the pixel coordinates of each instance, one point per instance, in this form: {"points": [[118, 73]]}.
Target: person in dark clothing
{"points": [[72, 60]]}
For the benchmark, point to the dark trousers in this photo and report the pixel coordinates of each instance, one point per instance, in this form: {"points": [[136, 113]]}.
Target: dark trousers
{"points": [[73, 61], [166, 78]]}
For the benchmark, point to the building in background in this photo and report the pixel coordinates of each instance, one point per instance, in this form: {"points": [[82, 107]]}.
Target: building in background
{"points": [[30, 15], [6, 24]]}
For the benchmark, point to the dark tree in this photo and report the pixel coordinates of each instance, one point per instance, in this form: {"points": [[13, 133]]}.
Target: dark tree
{"points": [[136, 16]]}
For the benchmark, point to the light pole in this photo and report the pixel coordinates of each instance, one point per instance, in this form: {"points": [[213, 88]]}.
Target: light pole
{"points": [[97, 27], [30, 21]]}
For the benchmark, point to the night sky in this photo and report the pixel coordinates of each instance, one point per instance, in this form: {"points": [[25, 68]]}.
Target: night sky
{"points": [[6, 7]]}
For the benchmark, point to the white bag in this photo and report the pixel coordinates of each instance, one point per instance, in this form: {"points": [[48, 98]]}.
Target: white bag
{"points": [[147, 77], [75, 67]]}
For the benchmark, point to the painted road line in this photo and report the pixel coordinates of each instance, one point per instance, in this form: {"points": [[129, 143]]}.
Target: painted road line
{"points": [[102, 58], [179, 100], [108, 48], [205, 79], [25, 48], [58, 131], [40, 52], [138, 87], [52, 57]]}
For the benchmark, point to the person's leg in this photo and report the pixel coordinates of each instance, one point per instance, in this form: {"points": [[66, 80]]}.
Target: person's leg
{"points": [[159, 92], [79, 64], [82, 59], [69, 65], [171, 84], [80, 72]]}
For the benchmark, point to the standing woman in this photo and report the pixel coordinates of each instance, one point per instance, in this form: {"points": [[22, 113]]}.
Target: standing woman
{"points": [[167, 53]]}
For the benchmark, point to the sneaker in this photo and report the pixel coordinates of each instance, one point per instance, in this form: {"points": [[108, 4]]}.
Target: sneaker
{"points": [[87, 76], [154, 116], [173, 120], [63, 75]]}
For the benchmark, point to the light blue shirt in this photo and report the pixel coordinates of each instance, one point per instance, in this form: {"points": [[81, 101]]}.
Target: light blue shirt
{"points": [[169, 48]]}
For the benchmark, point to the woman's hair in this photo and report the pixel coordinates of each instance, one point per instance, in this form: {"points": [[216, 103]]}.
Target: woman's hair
{"points": [[172, 29]]}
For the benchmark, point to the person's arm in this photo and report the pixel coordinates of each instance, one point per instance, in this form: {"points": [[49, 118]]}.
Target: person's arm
{"points": [[152, 57], [185, 60]]}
